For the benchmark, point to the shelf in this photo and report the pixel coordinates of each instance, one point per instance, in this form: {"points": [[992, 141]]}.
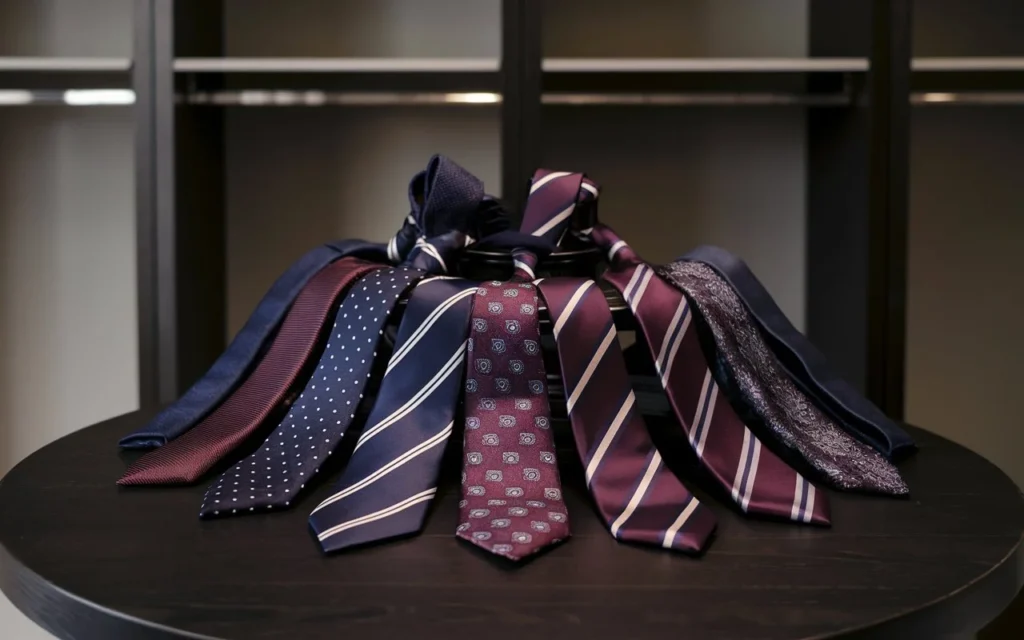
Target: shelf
{"points": [[810, 82], [424, 75], [774, 80], [968, 64], [704, 65], [42, 73], [968, 75]]}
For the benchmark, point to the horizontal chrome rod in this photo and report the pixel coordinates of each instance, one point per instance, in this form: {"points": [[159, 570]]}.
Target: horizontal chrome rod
{"points": [[327, 98], [71, 97], [551, 65], [249, 98]]}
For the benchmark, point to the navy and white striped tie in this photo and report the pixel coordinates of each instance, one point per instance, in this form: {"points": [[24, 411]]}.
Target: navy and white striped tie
{"points": [[388, 484]]}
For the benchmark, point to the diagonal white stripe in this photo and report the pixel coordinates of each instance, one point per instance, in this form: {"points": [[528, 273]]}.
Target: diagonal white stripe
{"points": [[738, 481], [641, 288], [660, 361], [591, 188], [670, 533], [378, 515], [573, 301], [589, 371], [425, 326], [628, 289], [701, 400], [670, 359], [752, 476], [609, 435], [809, 510], [431, 251], [707, 419], [548, 178], [453, 363], [798, 494], [615, 249], [519, 264], [555, 221], [638, 494], [398, 462], [393, 249]]}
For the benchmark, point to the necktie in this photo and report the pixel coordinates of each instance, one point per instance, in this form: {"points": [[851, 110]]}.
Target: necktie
{"points": [[511, 492], [802, 361], [386, 488], [232, 365], [184, 459], [636, 494], [756, 479], [746, 367], [555, 197], [444, 200], [319, 417]]}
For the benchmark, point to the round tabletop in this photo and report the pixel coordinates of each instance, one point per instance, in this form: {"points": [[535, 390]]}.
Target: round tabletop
{"points": [[87, 559]]}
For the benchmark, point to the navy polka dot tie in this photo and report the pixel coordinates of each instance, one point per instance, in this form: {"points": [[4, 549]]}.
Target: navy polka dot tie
{"points": [[295, 451]]}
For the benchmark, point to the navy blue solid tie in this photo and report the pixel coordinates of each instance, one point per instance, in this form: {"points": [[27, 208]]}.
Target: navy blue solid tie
{"points": [[388, 484], [238, 359], [802, 361]]}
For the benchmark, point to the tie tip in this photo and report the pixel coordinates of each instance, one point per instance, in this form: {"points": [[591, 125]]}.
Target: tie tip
{"points": [[821, 515], [513, 550], [693, 538]]}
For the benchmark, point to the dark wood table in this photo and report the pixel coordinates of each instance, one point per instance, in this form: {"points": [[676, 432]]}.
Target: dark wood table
{"points": [[86, 559]]}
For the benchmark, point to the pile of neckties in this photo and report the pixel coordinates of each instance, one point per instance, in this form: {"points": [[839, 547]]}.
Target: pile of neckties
{"points": [[747, 390]]}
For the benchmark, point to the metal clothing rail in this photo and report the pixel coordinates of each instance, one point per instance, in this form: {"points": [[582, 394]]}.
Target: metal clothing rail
{"points": [[255, 98]]}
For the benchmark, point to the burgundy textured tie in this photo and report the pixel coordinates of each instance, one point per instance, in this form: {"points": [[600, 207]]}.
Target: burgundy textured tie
{"points": [[512, 494], [638, 497], [188, 457], [757, 479]]}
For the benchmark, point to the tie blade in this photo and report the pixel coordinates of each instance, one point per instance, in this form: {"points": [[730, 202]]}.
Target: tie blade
{"points": [[765, 485], [662, 512], [822, 513], [244, 489], [337, 528], [516, 538], [691, 530]]}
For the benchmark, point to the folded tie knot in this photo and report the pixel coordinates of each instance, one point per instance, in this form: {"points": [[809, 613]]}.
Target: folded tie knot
{"points": [[447, 204], [558, 201], [617, 252]]}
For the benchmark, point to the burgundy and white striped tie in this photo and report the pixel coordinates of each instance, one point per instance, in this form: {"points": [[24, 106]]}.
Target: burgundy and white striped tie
{"points": [[554, 198], [758, 480], [636, 494]]}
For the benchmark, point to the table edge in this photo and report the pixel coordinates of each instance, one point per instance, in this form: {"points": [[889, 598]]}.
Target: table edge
{"points": [[964, 611], [47, 604]]}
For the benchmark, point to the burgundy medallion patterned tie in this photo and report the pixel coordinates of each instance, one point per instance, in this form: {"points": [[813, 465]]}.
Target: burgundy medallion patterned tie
{"points": [[184, 459], [638, 497], [758, 480], [511, 492]]}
